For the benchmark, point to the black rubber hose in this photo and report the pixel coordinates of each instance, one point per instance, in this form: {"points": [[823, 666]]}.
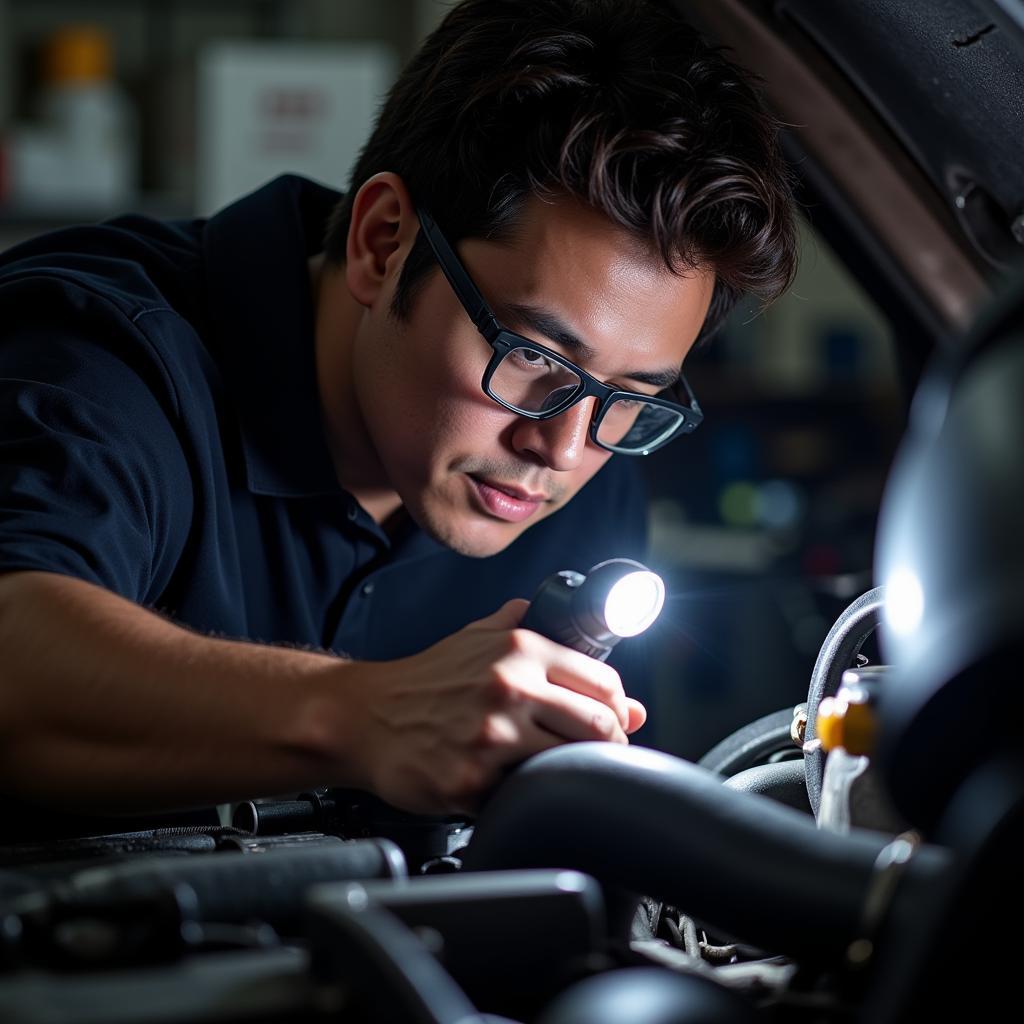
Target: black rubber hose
{"points": [[232, 888], [751, 744], [842, 645], [782, 782], [658, 825]]}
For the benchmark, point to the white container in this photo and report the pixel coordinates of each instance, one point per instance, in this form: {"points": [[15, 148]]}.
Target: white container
{"points": [[81, 155], [270, 108]]}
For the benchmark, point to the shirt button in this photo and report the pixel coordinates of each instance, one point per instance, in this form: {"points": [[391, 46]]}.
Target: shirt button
{"points": [[353, 511], [367, 589]]}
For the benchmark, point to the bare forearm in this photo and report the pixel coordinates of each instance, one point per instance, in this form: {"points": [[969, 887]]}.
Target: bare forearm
{"points": [[108, 707]]}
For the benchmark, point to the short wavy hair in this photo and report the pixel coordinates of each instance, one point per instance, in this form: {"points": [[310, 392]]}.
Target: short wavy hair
{"points": [[617, 103]]}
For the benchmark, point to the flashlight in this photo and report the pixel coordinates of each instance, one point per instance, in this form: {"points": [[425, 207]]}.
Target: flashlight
{"points": [[593, 612]]}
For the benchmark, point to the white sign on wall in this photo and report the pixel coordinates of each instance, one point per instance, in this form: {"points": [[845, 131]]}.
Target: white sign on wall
{"points": [[270, 108]]}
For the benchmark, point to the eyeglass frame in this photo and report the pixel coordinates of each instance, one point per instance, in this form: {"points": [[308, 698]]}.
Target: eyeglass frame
{"points": [[503, 341]]}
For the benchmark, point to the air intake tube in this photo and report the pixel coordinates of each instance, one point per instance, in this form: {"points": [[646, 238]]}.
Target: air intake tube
{"points": [[661, 826]]}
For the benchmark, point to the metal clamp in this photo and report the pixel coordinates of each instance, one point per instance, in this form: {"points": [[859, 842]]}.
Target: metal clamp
{"points": [[891, 862]]}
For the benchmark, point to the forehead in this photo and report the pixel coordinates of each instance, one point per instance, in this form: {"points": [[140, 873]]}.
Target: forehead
{"points": [[613, 291]]}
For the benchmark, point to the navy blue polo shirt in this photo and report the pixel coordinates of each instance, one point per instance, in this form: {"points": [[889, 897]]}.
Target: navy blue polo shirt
{"points": [[160, 435]]}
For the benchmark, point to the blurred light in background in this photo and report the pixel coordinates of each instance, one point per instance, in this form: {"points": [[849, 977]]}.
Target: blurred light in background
{"points": [[904, 601]]}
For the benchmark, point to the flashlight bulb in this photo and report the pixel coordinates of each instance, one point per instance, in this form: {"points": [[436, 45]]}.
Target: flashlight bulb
{"points": [[633, 603], [618, 598]]}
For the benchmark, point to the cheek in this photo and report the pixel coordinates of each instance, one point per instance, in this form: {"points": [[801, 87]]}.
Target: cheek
{"points": [[441, 415], [593, 459], [446, 393], [467, 425], [443, 362], [411, 374]]}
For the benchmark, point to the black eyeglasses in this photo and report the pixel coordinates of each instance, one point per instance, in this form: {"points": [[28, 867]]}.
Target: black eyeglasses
{"points": [[536, 382]]}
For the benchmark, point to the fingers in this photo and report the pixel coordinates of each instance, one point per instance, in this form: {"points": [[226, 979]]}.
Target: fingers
{"points": [[574, 716], [535, 739], [594, 679], [531, 739], [572, 670], [439, 728], [526, 738], [637, 715]]}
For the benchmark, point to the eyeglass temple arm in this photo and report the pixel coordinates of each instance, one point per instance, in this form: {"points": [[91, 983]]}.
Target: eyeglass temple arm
{"points": [[469, 295], [691, 398]]}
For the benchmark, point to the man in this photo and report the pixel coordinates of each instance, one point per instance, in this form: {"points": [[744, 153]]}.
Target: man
{"points": [[258, 474]]}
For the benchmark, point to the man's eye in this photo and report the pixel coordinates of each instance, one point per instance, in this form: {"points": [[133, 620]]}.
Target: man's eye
{"points": [[532, 360]]}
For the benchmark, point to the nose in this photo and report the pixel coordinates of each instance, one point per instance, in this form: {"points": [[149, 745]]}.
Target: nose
{"points": [[558, 443]]}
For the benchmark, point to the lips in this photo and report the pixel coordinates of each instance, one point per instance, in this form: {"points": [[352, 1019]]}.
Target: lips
{"points": [[507, 501]]}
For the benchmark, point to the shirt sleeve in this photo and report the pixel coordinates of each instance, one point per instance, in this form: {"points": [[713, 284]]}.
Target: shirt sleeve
{"points": [[93, 480]]}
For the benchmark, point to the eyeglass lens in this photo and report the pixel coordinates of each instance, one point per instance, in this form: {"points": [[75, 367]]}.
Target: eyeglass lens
{"points": [[530, 382]]}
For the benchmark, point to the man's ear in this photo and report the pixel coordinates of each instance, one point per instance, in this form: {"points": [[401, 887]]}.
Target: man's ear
{"points": [[382, 231]]}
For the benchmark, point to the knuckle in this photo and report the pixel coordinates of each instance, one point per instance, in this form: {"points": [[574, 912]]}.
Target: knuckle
{"points": [[520, 641], [502, 688], [606, 687], [603, 724], [465, 783], [606, 690], [508, 683], [611, 680], [495, 731]]}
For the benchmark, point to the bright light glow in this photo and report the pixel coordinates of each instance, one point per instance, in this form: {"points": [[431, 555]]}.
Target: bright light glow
{"points": [[634, 603], [904, 601], [571, 881]]}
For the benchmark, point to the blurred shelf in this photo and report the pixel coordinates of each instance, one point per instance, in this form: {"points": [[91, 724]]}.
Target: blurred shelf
{"points": [[51, 215], [19, 222], [729, 388]]}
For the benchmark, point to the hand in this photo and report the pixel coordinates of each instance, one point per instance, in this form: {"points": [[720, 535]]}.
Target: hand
{"points": [[434, 731]]}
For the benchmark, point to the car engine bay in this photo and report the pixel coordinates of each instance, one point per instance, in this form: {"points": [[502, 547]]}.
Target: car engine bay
{"points": [[850, 859]]}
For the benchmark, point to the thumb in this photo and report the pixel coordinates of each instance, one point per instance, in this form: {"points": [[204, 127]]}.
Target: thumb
{"points": [[508, 616]]}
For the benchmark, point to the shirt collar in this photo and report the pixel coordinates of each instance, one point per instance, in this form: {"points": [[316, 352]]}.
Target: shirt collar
{"points": [[255, 253]]}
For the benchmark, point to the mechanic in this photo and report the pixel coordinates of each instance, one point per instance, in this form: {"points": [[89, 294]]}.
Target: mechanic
{"points": [[253, 493]]}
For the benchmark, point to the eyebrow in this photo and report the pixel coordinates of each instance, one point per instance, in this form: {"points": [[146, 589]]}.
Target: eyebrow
{"points": [[550, 325]]}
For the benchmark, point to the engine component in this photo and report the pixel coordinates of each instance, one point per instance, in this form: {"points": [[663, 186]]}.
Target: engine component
{"points": [[137, 910], [782, 781], [842, 645], [653, 823], [767, 739], [386, 973], [484, 928], [354, 814], [949, 540], [850, 718], [650, 995]]}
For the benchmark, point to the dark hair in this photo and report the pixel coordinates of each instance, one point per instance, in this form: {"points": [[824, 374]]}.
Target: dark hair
{"points": [[618, 103]]}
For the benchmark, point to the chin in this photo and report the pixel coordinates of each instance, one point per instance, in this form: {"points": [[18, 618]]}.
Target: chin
{"points": [[469, 535], [475, 542]]}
